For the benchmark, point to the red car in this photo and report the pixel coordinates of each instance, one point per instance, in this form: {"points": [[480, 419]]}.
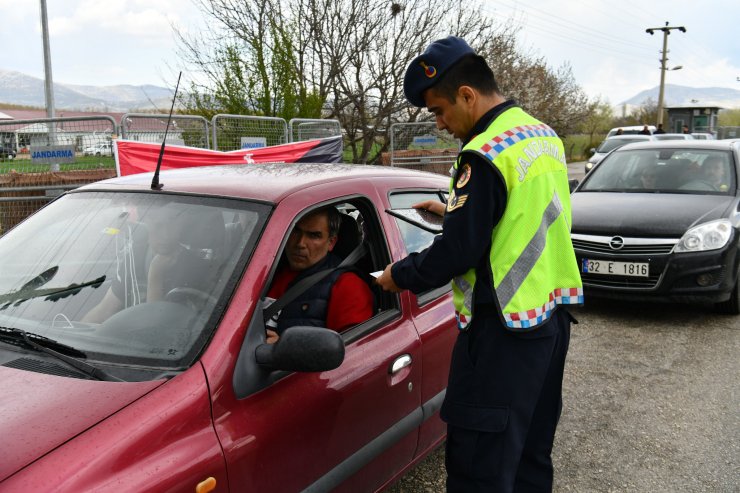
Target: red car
{"points": [[106, 387]]}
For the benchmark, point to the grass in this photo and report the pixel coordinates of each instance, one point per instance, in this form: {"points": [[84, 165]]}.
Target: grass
{"points": [[23, 164]]}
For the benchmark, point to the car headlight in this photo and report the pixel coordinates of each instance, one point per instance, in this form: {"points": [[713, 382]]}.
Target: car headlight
{"points": [[589, 165], [707, 236]]}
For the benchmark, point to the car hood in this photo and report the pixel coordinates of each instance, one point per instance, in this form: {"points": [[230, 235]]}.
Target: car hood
{"points": [[40, 412], [644, 214]]}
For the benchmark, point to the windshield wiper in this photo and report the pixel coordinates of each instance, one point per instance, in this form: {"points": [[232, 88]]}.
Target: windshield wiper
{"points": [[41, 343], [52, 294]]}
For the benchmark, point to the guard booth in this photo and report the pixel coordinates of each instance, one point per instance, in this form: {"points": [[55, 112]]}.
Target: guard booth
{"points": [[699, 118]]}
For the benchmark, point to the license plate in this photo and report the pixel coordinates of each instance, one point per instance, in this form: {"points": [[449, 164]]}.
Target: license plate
{"points": [[612, 268]]}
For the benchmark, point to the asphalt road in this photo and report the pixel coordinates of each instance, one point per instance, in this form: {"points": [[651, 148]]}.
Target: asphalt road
{"points": [[651, 402]]}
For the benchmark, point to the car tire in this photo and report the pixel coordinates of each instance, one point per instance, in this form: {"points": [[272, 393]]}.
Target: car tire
{"points": [[97, 154], [732, 305]]}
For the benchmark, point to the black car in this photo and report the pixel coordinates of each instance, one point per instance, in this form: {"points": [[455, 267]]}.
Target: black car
{"points": [[6, 152], [661, 221]]}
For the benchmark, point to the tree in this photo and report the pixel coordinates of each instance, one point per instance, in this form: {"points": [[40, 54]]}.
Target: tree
{"points": [[348, 58], [598, 121], [729, 118]]}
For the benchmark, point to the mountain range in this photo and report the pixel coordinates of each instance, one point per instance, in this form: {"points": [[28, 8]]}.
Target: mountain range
{"points": [[21, 89], [681, 95]]}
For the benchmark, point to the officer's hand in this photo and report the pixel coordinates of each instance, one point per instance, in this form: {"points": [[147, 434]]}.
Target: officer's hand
{"points": [[385, 281], [433, 206]]}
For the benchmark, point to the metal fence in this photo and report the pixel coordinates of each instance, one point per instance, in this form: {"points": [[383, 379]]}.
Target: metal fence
{"points": [[232, 132], [421, 146], [728, 132], [42, 158], [308, 128], [188, 130]]}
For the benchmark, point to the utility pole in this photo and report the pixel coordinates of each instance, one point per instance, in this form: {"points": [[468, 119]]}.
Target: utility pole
{"points": [[666, 31], [48, 80]]}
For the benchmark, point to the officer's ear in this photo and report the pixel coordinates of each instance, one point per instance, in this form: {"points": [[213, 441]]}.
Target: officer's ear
{"points": [[466, 95]]}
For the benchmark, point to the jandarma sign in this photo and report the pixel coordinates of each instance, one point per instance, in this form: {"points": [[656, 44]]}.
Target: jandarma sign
{"points": [[53, 154]]}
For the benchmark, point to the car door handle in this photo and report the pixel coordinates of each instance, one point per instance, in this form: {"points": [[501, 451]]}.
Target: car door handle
{"points": [[400, 363]]}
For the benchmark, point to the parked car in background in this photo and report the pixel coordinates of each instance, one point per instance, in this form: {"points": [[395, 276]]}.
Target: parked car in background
{"points": [[7, 153], [660, 220], [611, 143], [703, 136], [183, 394], [100, 149], [673, 136], [629, 130]]}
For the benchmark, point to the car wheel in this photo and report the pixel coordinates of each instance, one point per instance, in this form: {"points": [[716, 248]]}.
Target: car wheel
{"points": [[97, 154], [731, 306]]}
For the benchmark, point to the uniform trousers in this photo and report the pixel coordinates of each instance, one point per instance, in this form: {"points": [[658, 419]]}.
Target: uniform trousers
{"points": [[503, 403]]}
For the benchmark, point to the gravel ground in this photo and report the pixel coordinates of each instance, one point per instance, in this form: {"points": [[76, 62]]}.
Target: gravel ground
{"points": [[651, 404]]}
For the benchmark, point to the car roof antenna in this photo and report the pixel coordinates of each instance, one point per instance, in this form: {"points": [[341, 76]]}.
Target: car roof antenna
{"points": [[155, 179]]}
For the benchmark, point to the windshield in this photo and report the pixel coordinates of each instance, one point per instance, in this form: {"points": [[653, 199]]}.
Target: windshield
{"points": [[130, 279], [611, 144], [664, 170]]}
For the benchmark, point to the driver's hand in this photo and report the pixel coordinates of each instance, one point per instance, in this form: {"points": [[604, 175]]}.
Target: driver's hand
{"points": [[272, 336]]}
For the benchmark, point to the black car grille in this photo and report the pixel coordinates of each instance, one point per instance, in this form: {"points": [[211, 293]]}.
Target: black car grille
{"points": [[631, 246], [630, 251]]}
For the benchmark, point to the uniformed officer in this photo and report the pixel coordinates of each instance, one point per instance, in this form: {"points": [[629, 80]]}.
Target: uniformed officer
{"points": [[506, 247]]}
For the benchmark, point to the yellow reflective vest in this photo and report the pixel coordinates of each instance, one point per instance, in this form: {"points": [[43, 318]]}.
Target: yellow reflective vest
{"points": [[532, 259]]}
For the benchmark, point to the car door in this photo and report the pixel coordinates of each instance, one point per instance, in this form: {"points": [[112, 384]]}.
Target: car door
{"points": [[432, 313], [348, 429]]}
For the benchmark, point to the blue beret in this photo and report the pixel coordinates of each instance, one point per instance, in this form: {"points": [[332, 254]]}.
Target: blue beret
{"points": [[426, 69]]}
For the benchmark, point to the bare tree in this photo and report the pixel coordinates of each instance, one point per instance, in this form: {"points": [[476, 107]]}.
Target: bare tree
{"points": [[348, 57]]}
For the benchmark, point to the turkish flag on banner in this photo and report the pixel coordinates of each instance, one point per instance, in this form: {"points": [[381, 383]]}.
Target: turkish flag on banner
{"points": [[141, 157]]}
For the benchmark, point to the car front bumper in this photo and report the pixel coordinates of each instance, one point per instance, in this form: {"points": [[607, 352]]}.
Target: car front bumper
{"points": [[700, 277]]}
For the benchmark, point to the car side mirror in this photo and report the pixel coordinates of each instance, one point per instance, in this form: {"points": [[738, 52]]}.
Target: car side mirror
{"points": [[593, 150], [306, 349], [572, 184]]}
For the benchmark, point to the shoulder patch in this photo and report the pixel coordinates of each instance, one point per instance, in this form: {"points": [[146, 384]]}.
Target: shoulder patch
{"points": [[464, 177], [455, 202]]}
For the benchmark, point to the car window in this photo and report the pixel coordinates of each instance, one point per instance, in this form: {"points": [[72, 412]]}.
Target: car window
{"points": [[611, 144], [131, 279], [415, 238], [664, 170], [359, 225]]}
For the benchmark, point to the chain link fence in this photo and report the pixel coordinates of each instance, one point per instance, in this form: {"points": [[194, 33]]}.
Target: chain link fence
{"points": [[233, 132], [728, 132], [308, 128], [42, 158], [187, 130], [421, 146]]}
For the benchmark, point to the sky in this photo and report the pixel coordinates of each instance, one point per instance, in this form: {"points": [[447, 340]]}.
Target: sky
{"points": [[605, 43]]}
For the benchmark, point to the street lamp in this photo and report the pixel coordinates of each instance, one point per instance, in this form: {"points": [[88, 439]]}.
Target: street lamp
{"points": [[666, 31]]}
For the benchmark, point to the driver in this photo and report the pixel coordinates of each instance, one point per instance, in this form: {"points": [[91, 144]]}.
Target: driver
{"points": [[713, 170], [173, 264], [338, 301]]}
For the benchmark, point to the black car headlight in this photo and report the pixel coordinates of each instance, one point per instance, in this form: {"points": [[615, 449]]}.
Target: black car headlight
{"points": [[707, 236]]}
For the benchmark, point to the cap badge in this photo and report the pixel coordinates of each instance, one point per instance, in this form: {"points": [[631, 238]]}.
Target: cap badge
{"points": [[429, 70]]}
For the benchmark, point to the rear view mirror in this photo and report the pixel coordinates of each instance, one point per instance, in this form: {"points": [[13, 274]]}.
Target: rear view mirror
{"points": [[572, 184], [306, 349]]}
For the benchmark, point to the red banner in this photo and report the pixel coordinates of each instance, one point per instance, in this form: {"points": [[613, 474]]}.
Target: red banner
{"points": [[141, 157]]}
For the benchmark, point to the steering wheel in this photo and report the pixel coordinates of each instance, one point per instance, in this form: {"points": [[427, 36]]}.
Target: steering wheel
{"points": [[192, 297]]}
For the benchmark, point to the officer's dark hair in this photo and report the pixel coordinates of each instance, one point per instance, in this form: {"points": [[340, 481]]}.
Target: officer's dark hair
{"points": [[472, 70], [332, 215]]}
